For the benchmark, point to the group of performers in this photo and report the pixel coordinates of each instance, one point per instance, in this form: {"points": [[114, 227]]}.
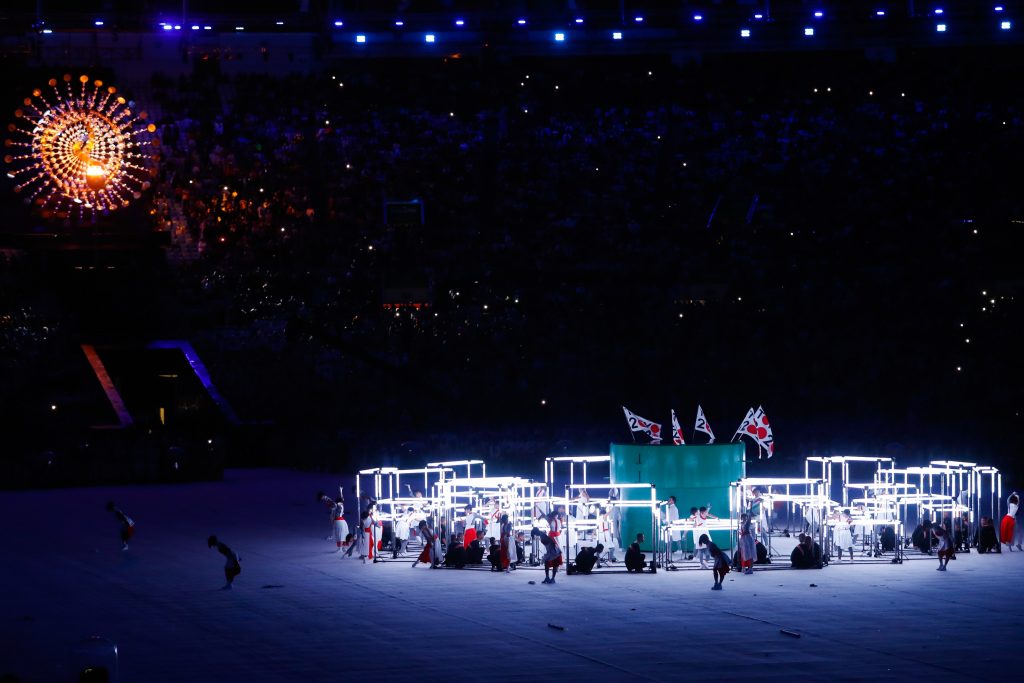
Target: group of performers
{"points": [[489, 533]]}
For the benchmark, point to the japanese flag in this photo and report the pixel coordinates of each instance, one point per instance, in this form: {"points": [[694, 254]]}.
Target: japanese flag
{"points": [[639, 424], [677, 431], [702, 425]]}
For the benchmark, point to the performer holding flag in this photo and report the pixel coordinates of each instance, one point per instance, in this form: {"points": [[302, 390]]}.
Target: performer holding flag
{"points": [[702, 425], [639, 424], [677, 431]]}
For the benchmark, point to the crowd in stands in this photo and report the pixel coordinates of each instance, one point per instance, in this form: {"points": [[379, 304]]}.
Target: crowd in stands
{"points": [[805, 230]]}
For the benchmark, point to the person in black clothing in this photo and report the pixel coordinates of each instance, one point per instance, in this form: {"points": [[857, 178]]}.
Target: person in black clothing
{"points": [[635, 560], [587, 558], [494, 556], [987, 539], [232, 566], [475, 552], [127, 524], [456, 555], [806, 554]]}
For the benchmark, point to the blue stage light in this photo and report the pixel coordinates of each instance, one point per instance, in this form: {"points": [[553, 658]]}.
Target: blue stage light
{"points": [[166, 27], [819, 14], [98, 23], [239, 28], [616, 35], [808, 31], [938, 10], [698, 17], [195, 27], [998, 8], [339, 24], [429, 38], [744, 33], [638, 19], [1005, 25], [559, 37], [579, 20], [460, 22], [360, 38], [759, 16], [880, 13], [940, 28], [521, 22], [399, 23]]}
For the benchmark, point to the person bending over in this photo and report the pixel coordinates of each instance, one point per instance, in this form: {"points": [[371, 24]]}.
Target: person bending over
{"points": [[635, 560], [720, 566], [587, 558], [232, 562]]}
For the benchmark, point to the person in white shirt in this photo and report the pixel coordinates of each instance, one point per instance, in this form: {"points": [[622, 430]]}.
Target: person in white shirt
{"points": [[1009, 523], [699, 520], [674, 536], [606, 534]]}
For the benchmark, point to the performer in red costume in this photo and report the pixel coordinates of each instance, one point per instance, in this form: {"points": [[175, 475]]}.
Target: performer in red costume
{"points": [[1009, 523]]}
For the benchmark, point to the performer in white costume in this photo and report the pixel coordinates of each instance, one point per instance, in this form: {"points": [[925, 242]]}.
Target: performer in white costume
{"points": [[842, 537], [606, 535], [674, 536]]}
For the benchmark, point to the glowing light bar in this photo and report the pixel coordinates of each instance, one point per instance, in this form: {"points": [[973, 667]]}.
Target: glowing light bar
{"points": [[774, 481], [521, 22], [454, 463], [113, 396], [880, 13], [759, 16], [207, 28], [1003, 25], [998, 8], [698, 17], [399, 23], [617, 35], [940, 28], [579, 20], [279, 23], [745, 33], [429, 38], [638, 19], [360, 38], [819, 14], [98, 23], [460, 22], [580, 458], [339, 24], [808, 31], [559, 37], [49, 31], [239, 28], [195, 27], [938, 10]]}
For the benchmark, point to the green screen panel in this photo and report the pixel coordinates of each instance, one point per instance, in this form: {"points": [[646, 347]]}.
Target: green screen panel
{"points": [[695, 475]]}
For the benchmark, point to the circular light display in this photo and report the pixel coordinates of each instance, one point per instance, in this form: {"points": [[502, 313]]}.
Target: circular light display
{"points": [[80, 148]]}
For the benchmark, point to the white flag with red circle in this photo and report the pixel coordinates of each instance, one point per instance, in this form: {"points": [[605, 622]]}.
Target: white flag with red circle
{"points": [[639, 424]]}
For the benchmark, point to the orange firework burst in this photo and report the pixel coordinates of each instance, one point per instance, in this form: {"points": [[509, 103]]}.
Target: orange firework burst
{"points": [[80, 148]]}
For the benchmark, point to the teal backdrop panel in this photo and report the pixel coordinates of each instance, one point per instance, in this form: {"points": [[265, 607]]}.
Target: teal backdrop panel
{"points": [[695, 475]]}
